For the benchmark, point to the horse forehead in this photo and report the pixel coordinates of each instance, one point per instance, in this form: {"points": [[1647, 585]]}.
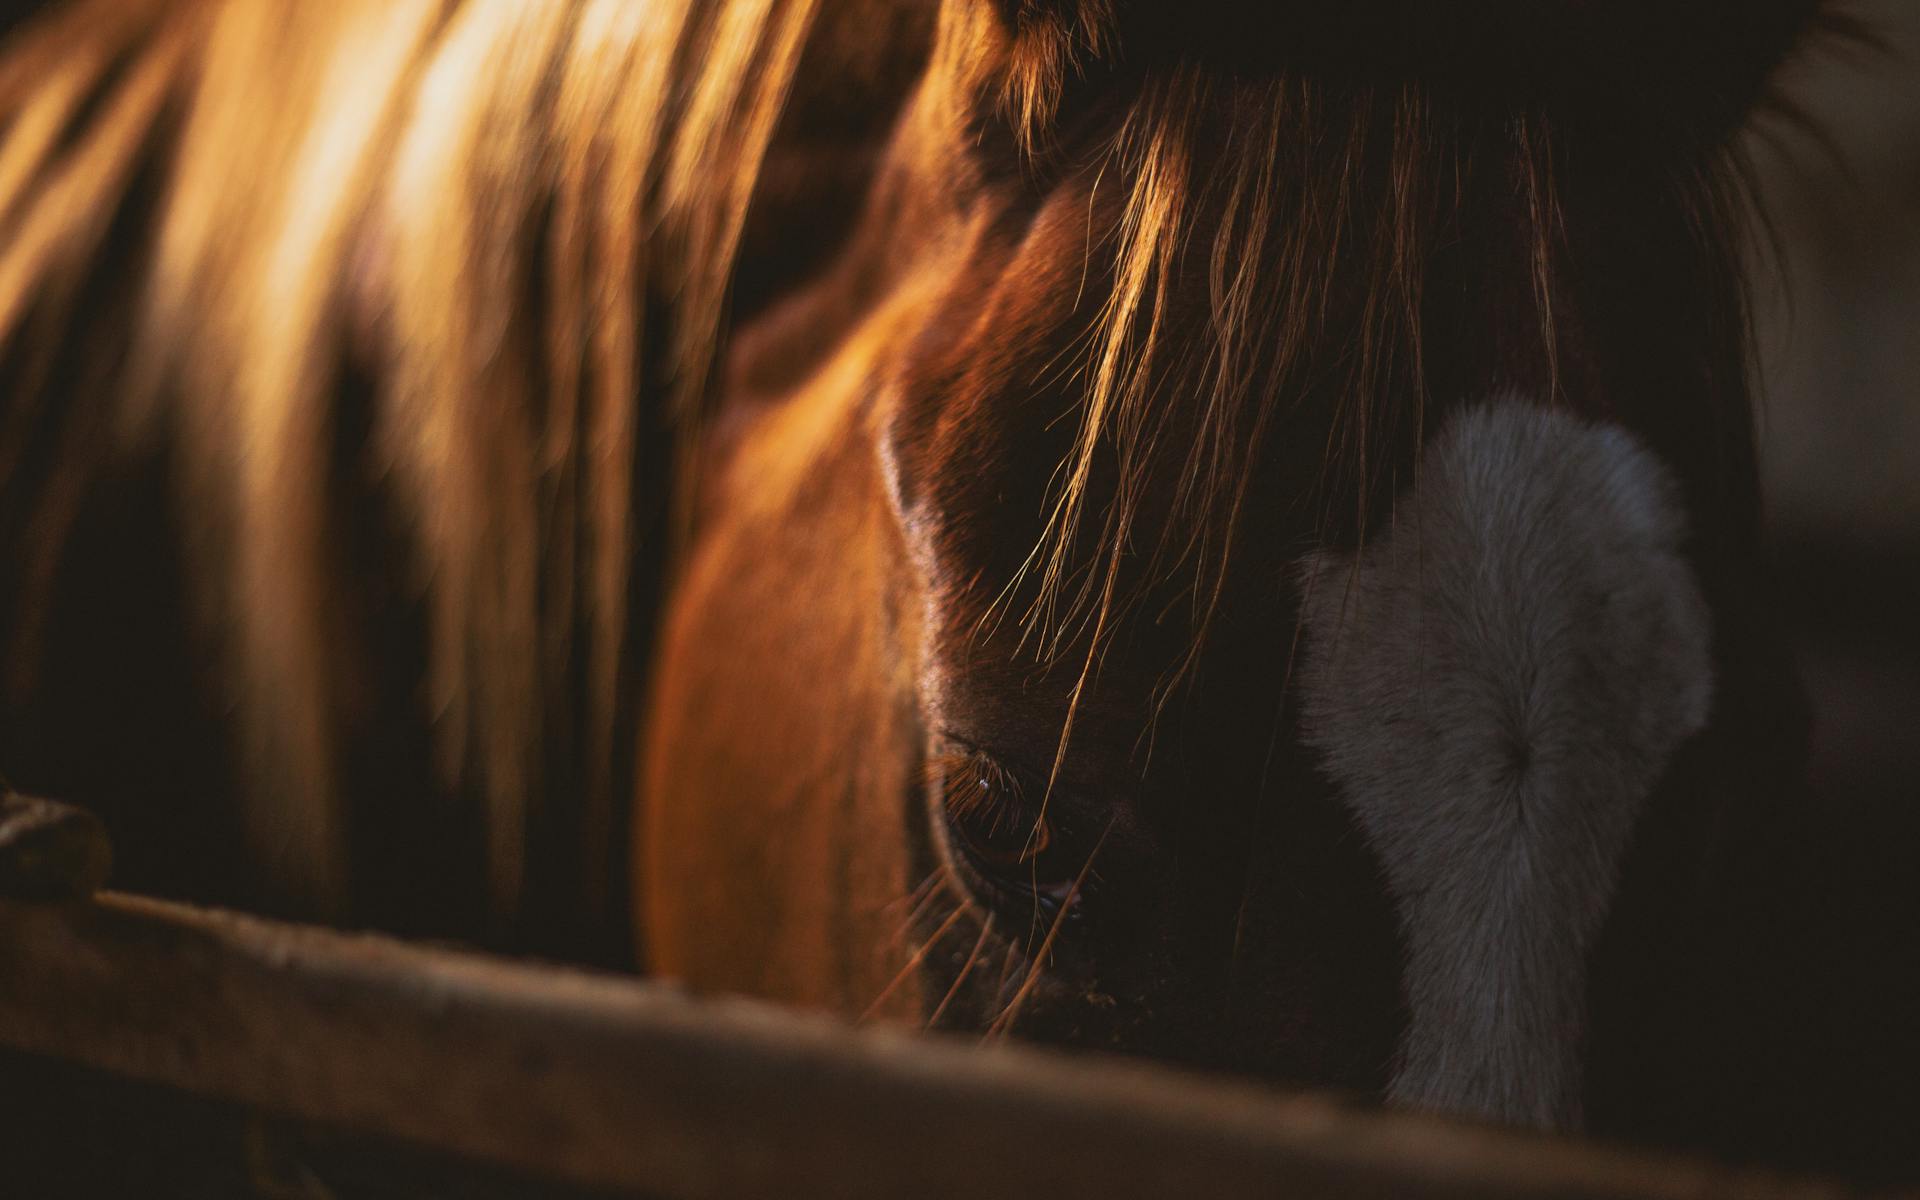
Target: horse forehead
{"points": [[986, 400]]}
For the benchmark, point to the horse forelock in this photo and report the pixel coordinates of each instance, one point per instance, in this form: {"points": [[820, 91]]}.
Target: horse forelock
{"points": [[1298, 203], [1256, 265]]}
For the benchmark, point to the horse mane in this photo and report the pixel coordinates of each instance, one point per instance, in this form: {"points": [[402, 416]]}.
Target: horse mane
{"points": [[470, 203]]}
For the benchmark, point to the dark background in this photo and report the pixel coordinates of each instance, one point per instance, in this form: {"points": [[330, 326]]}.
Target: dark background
{"points": [[1838, 317]]}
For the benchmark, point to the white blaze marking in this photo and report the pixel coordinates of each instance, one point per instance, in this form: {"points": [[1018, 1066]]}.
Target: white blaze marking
{"points": [[1497, 685]]}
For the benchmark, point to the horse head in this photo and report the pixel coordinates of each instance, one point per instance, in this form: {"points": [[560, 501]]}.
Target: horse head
{"points": [[1279, 481]]}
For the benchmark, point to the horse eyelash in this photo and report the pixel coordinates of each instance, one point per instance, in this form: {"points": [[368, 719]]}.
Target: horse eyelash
{"points": [[972, 785]]}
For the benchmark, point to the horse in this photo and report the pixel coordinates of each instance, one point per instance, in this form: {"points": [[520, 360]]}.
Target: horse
{"points": [[1220, 532]]}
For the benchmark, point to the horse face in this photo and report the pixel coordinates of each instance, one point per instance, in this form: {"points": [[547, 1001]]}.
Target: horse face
{"points": [[1117, 798], [872, 528], [1069, 780]]}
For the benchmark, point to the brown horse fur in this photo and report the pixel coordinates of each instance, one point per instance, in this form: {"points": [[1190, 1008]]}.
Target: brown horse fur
{"points": [[964, 385]]}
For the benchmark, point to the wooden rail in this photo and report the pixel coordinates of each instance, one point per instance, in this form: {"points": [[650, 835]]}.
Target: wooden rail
{"points": [[613, 1082]]}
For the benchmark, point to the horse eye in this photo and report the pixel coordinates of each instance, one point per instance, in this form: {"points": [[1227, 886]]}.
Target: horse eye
{"points": [[1000, 836]]}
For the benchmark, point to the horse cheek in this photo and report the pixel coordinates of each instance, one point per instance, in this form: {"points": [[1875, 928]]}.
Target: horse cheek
{"points": [[772, 846]]}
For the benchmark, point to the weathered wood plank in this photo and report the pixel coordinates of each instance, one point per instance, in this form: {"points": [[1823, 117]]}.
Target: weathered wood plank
{"points": [[614, 1082]]}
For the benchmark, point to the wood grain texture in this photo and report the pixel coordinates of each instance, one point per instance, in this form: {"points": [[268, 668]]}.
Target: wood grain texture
{"points": [[613, 1082]]}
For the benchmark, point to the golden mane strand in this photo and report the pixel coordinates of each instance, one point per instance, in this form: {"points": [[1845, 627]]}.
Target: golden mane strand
{"points": [[1049, 45], [1311, 193], [474, 197]]}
